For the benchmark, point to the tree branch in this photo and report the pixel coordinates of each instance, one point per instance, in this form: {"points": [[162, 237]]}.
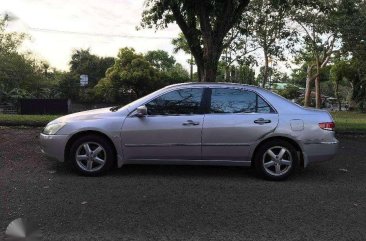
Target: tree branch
{"points": [[189, 31]]}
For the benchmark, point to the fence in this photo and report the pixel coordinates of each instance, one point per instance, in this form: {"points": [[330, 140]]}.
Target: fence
{"points": [[8, 109], [44, 106]]}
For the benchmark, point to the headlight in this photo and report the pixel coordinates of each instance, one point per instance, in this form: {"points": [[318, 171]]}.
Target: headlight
{"points": [[52, 129]]}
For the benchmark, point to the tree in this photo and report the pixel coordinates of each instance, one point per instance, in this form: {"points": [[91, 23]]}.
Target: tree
{"points": [[9, 41], [242, 74], [131, 73], [351, 25], [169, 71], [83, 62], [160, 60], [180, 44], [291, 92], [20, 74], [69, 85], [338, 73], [268, 30], [319, 34], [205, 24]]}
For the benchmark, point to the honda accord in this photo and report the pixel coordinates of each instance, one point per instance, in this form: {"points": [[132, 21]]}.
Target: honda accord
{"points": [[195, 124]]}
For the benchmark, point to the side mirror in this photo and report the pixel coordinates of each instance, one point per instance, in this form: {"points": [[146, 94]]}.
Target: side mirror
{"points": [[141, 111]]}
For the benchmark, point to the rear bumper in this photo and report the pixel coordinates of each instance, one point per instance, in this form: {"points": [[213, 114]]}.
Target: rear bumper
{"points": [[322, 151], [53, 146]]}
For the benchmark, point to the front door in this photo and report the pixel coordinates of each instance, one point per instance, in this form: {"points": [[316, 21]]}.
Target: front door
{"points": [[171, 129], [237, 118]]}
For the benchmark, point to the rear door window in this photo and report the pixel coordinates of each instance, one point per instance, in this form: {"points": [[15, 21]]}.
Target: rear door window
{"points": [[230, 100]]}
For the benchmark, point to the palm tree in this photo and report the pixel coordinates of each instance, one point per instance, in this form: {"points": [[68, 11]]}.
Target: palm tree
{"points": [[181, 44]]}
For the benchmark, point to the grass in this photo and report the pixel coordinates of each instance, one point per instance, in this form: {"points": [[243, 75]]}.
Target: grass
{"points": [[26, 120], [350, 121]]}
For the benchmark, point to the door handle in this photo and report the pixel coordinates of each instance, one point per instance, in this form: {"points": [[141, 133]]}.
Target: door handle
{"points": [[190, 123], [262, 121]]}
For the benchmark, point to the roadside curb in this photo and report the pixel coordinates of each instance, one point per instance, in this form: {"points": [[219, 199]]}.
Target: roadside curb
{"points": [[351, 133]]}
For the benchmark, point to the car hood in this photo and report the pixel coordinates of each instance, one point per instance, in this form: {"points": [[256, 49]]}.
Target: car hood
{"points": [[91, 115]]}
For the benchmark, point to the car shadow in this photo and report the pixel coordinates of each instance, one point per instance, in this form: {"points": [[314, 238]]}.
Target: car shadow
{"points": [[314, 173], [134, 170], [184, 171]]}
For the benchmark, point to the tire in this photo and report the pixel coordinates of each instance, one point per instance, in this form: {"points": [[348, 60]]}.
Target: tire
{"points": [[276, 160], [91, 155]]}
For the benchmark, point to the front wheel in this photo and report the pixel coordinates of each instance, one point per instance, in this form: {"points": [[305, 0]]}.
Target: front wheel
{"points": [[91, 155], [276, 160]]}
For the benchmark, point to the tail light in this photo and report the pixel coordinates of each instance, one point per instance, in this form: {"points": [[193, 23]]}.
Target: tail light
{"points": [[328, 126]]}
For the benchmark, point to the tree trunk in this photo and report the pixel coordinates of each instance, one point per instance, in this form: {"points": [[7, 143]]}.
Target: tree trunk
{"points": [[307, 99], [318, 99], [191, 70], [199, 63], [337, 95], [208, 74], [265, 71], [226, 67], [211, 56], [200, 71]]}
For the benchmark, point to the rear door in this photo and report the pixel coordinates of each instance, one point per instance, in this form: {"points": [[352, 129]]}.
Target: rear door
{"points": [[236, 119]]}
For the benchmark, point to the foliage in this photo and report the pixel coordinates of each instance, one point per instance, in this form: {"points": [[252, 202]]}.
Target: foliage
{"points": [[9, 41], [319, 37], [180, 44], [21, 76], [134, 75], [243, 74], [298, 76], [83, 62], [160, 60], [291, 92], [131, 74], [351, 24], [69, 86], [269, 30], [176, 74]]}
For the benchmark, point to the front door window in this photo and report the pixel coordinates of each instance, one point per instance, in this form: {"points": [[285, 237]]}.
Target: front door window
{"points": [[178, 102]]}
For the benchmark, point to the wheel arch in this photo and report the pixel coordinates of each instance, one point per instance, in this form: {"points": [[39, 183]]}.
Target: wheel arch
{"points": [[77, 135], [299, 150]]}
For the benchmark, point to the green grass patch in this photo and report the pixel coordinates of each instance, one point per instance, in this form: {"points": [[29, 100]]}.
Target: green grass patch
{"points": [[350, 121], [26, 120]]}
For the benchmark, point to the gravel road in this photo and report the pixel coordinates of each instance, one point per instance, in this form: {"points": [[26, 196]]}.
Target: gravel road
{"points": [[326, 201]]}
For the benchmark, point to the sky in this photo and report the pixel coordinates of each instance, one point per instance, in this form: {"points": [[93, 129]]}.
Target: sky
{"points": [[102, 22]]}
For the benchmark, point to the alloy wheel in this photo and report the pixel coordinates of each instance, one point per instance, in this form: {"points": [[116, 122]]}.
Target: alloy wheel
{"points": [[277, 161], [90, 156]]}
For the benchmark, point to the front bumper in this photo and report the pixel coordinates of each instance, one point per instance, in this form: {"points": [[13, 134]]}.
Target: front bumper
{"points": [[53, 146], [322, 151]]}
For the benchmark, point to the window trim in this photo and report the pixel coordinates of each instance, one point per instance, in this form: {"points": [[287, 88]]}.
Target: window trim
{"points": [[206, 101], [207, 109]]}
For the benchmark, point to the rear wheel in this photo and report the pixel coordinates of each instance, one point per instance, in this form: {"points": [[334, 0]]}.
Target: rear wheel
{"points": [[276, 160], [91, 155]]}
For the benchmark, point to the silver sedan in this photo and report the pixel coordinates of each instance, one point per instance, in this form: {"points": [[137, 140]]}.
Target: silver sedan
{"points": [[195, 124]]}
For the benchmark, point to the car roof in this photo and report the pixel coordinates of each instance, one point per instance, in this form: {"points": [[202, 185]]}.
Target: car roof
{"points": [[218, 84]]}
